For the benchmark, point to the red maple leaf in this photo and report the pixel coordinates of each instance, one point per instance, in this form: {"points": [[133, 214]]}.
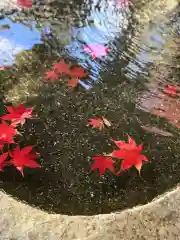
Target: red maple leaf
{"points": [[72, 83], [99, 122], [131, 145], [102, 163], [17, 115], [51, 75], [61, 67], [1, 146], [25, 3], [171, 90], [78, 72], [2, 160], [130, 153], [96, 123], [23, 158], [7, 133]]}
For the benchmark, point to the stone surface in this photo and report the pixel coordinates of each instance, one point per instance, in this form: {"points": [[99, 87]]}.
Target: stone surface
{"points": [[159, 219], [6, 4]]}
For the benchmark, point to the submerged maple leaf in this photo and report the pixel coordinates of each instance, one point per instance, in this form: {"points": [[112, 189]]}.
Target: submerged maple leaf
{"points": [[7, 133], [96, 50], [130, 154], [99, 122], [102, 163], [96, 123], [51, 75], [3, 157], [61, 67], [23, 158], [171, 90], [25, 3], [17, 115], [72, 83], [78, 72]]}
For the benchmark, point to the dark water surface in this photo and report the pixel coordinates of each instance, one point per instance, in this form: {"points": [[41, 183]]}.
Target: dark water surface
{"points": [[125, 86]]}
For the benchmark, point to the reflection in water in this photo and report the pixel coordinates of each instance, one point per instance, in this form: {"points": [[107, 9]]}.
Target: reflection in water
{"points": [[105, 25], [149, 49], [156, 99], [16, 39]]}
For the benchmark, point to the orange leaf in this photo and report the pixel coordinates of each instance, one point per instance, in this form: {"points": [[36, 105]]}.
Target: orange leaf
{"points": [[51, 75], [72, 83], [99, 122], [61, 67], [78, 72], [96, 123]]}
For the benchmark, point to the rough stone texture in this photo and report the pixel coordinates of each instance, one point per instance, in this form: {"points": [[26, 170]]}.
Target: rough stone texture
{"points": [[159, 219], [6, 4]]}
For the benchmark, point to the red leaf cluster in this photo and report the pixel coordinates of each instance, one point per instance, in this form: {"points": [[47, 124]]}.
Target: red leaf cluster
{"points": [[20, 158], [129, 154], [74, 73]]}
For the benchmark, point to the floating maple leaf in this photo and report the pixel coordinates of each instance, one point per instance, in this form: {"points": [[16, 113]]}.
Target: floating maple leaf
{"points": [[2, 160], [171, 90], [25, 3], [72, 83], [18, 115], [131, 145], [102, 163], [96, 50], [23, 158], [130, 153], [51, 75], [78, 72], [61, 67], [7, 133], [99, 122]]}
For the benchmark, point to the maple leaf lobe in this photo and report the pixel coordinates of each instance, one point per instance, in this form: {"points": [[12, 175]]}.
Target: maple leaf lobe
{"points": [[102, 163], [17, 115], [7, 133], [3, 157], [24, 158], [51, 75]]}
